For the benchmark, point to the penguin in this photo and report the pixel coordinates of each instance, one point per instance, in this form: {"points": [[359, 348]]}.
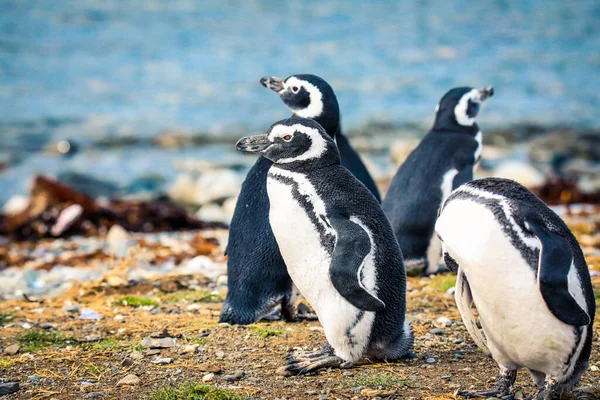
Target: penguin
{"points": [[257, 277], [309, 96], [519, 264], [445, 159], [337, 244]]}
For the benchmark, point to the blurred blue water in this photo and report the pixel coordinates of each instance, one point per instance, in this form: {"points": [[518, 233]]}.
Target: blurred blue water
{"points": [[93, 69]]}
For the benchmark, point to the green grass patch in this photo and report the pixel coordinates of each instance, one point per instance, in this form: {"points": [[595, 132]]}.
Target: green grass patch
{"points": [[380, 381], [266, 331], [443, 282], [6, 363], [32, 341], [201, 341], [195, 296], [136, 301], [193, 391], [5, 318]]}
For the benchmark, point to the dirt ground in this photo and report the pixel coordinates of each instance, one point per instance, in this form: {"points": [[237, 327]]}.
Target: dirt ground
{"points": [[61, 356]]}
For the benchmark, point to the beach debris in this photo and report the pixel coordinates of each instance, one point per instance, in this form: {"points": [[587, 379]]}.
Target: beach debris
{"points": [[55, 209]]}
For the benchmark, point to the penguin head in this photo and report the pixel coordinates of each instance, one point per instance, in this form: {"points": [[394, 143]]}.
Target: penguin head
{"points": [[292, 142], [307, 96], [460, 106]]}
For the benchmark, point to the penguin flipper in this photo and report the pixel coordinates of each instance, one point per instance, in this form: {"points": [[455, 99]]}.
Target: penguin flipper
{"points": [[464, 175], [352, 247], [464, 302], [554, 263]]}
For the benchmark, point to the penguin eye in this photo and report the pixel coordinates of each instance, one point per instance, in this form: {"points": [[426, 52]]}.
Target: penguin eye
{"points": [[295, 89], [287, 138]]}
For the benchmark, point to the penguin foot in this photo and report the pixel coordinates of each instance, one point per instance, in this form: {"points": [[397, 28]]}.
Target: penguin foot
{"points": [[547, 391], [303, 362], [307, 317]]}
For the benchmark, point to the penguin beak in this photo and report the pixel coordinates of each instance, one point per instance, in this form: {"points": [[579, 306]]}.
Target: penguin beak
{"points": [[484, 93], [253, 143], [273, 83]]}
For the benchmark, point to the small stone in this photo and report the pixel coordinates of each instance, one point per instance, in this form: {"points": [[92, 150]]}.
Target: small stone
{"points": [[230, 378], [152, 352], [136, 355], [311, 392], [377, 393], [436, 331], [450, 292], [34, 379], [442, 322], [282, 371], [72, 308], [347, 373], [322, 397], [189, 348], [94, 395], [208, 377], [593, 368], [220, 354], [209, 368], [430, 360], [161, 361], [89, 314], [9, 388], [519, 395], [12, 349], [116, 281], [239, 374], [127, 362], [159, 343], [129, 380]]}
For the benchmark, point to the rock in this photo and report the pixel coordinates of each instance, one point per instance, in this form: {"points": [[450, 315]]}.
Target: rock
{"points": [[209, 368], [520, 171], [127, 362], [442, 322], [212, 212], [519, 395], [220, 354], [212, 185], [88, 313], [159, 343], [94, 395], [136, 355], [154, 352], [12, 349], [430, 360], [34, 379], [66, 219], [118, 241], [116, 281], [129, 380], [377, 393], [282, 371], [9, 388], [189, 348], [311, 392], [15, 205], [450, 291], [208, 377], [593, 368], [436, 331], [161, 361], [73, 308]]}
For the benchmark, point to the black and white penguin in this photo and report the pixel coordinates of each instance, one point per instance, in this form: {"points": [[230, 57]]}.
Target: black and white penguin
{"points": [[337, 244], [444, 159], [521, 267], [309, 96]]}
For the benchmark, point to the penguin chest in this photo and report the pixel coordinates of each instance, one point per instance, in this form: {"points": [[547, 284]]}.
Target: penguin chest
{"points": [[520, 329], [305, 241]]}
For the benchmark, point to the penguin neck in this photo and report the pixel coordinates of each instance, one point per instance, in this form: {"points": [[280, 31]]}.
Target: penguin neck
{"points": [[329, 158], [443, 124], [329, 120]]}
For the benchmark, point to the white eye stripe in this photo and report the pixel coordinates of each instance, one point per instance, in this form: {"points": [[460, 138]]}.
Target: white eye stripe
{"points": [[460, 111], [315, 108], [316, 149]]}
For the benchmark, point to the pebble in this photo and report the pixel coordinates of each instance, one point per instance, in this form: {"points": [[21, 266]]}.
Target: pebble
{"points": [[74, 308], [34, 378], [129, 380], [450, 292], [127, 362], [209, 368], [593, 368], [322, 397], [220, 354], [208, 377], [9, 388], [436, 331], [430, 360], [519, 395], [89, 314], [94, 395], [159, 343], [189, 348], [236, 376], [311, 392], [442, 322], [161, 361], [12, 349]]}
